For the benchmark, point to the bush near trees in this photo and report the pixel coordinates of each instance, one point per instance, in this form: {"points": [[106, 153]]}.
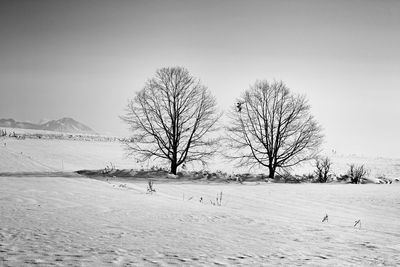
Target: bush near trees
{"points": [[323, 166], [356, 173]]}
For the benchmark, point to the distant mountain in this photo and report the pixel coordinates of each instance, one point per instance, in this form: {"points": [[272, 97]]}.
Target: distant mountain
{"points": [[15, 124], [65, 125], [43, 121]]}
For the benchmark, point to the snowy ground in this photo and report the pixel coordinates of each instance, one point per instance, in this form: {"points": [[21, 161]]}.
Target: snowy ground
{"points": [[87, 222], [60, 155], [68, 155], [76, 221]]}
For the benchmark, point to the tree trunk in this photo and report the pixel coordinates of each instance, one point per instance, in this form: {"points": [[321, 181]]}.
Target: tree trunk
{"points": [[174, 167], [271, 172]]}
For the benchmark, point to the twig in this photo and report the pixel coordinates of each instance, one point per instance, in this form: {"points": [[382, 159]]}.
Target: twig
{"points": [[357, 222]]}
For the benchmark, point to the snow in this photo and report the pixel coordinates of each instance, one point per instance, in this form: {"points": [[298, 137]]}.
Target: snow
{"points": [[80, 221], [60, 155], [72, 155], [76, 221], [376, 166]]}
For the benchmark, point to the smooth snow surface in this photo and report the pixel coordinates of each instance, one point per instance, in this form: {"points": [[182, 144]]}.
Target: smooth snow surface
{"points": [[86, 222], [60, 155], [32, 155]]}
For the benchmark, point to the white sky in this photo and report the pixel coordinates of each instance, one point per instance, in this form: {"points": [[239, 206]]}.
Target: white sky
{"points": [[84, 59]]}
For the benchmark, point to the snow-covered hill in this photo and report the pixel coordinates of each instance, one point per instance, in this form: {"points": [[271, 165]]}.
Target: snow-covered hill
{"points": [[65, 125], [36, 155]]}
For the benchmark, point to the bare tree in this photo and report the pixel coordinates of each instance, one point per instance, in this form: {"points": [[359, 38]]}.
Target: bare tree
{"points": [[323, 166], [171, 118], [273, 128]]}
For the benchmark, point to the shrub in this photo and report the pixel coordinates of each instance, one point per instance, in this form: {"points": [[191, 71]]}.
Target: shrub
{"points": [[357, 173], [286, 177], [323, 166], [308, 177]]}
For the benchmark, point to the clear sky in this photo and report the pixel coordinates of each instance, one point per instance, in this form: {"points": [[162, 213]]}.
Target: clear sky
{"points": [[84, 59]]}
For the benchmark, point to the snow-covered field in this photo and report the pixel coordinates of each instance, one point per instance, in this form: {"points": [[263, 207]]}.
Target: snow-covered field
{"points": [[77, 221], [60, 155], [87, 222], [376, 166], [72, 155]]}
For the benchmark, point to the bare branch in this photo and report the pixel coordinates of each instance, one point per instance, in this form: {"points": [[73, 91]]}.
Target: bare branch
{"points": [[172, 118], [273, 128]]}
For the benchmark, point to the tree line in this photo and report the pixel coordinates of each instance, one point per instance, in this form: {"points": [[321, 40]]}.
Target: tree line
{"points": [[174, 118]]}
